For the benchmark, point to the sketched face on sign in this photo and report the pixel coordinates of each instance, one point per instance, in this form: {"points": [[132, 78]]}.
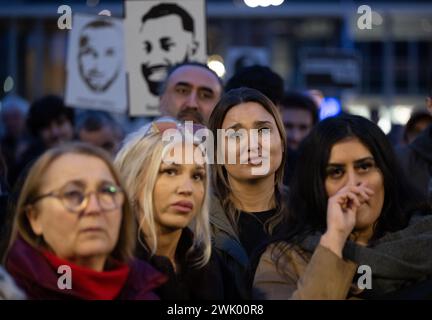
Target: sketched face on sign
{"points": [[100, 55], [167, 37]]}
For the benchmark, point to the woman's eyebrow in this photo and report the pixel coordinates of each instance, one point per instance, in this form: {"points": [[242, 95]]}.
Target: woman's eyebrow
{"points": [[79, 183], [364, 159], [106, 181], [261, 123], [339, 165], [235, 126]]}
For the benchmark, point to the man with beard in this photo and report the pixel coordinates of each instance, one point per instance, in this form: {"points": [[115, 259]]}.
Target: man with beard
{"points": [[168, 38], [190, 92], [100, 55]]}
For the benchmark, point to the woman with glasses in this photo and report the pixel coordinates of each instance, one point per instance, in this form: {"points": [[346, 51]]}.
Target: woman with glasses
{"points": [[73, 234], [170, 199], [249, 195]]}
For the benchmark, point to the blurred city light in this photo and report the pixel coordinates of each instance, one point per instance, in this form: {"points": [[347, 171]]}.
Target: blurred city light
{"points": [[360, 110], [329, 107], [105, 13], [252, 3], [376, 18], [215, 62], [8, 84], [385, 124], [263, 3], [401, 114]]}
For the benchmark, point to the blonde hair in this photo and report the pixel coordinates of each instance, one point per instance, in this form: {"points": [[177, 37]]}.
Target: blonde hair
{"points": [[123, 251], [138, 162]]}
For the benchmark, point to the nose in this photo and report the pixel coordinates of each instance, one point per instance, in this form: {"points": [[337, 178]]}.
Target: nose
{"points": [[92, 206], [192, 100], [186, 186], [254, 143], [353, 178], [97, 64]]}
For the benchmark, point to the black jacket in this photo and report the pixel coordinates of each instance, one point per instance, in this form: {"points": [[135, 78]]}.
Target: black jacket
{"points": [[210, 282]]}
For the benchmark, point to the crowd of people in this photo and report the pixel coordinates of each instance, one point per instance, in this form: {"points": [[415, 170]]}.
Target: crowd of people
{"points": [[95, 208]]}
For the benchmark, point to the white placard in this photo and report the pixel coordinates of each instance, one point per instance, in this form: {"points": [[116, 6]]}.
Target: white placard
{"points": [[96, 76], [160, 34]]}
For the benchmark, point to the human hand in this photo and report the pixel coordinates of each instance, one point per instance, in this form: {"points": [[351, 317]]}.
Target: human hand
{"points": [[342, 210]]}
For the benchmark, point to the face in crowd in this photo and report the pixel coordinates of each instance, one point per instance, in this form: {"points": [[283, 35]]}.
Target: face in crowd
{"points": [[263, 122], [298, 123], [13, 121], [78, 212], [179, 190], [167, 183], [106, 138], [100, 55], [58, 131], [191, 93], [351, 164]]}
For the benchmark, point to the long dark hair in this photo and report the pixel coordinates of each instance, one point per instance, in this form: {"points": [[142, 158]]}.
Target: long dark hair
{"points": [[220, 182], [307, 208]]}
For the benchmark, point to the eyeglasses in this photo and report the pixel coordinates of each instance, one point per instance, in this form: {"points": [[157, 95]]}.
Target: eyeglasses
{"points": [[108, 196]]}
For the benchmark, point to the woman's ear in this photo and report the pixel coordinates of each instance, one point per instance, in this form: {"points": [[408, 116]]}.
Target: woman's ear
{"points": [[34, 220]]}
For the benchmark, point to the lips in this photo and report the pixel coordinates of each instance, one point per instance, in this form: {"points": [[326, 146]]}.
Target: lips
{"points": [[255, 160], [92, 229], [183, 206]]}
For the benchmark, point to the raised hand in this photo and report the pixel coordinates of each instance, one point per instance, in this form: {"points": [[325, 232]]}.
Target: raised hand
{"points": [[342, 215]]}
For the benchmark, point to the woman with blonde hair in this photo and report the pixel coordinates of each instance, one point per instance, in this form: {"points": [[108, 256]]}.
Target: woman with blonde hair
{"points": [[73, 231], [170, 199]]}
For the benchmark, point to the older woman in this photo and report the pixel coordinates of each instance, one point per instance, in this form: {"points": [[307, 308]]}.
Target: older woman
{"points": [[169, 196], [73, 234], [354, 228], [249, 196]]}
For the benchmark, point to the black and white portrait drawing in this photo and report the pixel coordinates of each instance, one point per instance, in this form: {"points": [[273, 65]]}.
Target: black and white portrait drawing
{"points": [[160, 34], [96, 67]]}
